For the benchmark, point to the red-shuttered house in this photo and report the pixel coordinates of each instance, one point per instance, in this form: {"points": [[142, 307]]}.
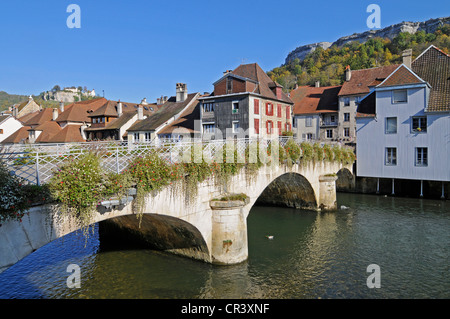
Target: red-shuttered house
{"points": [[246, 103]]}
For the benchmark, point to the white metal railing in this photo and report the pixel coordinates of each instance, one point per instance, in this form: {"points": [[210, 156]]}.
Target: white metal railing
{"points": [[36, 163]]}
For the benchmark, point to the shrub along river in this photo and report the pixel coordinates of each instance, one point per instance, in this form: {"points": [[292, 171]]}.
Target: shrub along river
{"points": [[311, 255]]}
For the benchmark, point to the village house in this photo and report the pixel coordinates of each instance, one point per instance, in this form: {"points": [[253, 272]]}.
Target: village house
{"points": [[403, 125], [245, 103], [315, 113], [169, 110], [21, 109], [357, 84], [65, 124], [113, 119]]}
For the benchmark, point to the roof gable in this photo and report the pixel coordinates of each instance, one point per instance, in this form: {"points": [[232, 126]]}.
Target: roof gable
{"points": [[401, 76]]}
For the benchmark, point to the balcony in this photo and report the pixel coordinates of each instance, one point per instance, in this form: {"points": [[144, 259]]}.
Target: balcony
{"points": [[328, 124]]}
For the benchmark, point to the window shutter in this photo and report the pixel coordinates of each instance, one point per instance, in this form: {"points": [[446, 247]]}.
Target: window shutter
{"points": [[257, 126], [279, 128], [279, 110], [288, 112], [267, 127], [256, 106]]}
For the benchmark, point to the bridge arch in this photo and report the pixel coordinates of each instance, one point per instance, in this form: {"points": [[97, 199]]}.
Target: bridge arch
{"points": [[159, 232], [289, 190]]}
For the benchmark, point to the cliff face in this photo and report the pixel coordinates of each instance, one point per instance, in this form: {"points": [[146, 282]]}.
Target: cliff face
{"points": [[389, 32]]}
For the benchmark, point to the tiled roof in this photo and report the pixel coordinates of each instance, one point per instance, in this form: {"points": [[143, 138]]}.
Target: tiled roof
{"points": [[186, 120], [361, 79], [41, 117], [310, 99], [401, 76], [165, 113], [69, 134], [433, 66], [49, 129], [254, 72], [19, 136], [79, 111]]}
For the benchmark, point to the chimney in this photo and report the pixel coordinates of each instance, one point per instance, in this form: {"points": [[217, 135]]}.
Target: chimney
{"points": [[83, 130], [61, 106], [407, 57], [15, 111], [181, 90], [140, 112], [55, 114], [144, 101], [119, 109], [317, 84], [348, 73]]}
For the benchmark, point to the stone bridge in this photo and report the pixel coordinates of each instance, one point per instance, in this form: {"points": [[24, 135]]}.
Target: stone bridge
{"points": [[206, 227]]}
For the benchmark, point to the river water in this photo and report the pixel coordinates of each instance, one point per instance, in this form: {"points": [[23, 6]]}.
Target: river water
{"points": [[312, 255]]}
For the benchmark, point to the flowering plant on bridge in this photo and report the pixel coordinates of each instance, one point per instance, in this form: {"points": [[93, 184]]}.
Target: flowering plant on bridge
{"points": [[78, 185], [13, 196]]}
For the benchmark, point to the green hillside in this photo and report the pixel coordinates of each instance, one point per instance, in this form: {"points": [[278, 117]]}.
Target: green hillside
{"points": [[328, 66]]}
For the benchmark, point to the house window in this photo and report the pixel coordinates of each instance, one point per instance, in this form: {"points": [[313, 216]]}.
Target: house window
{"points": [[136, 137], [279, 110], [209, 128], [421, 156], [391, 125], [235, 126], [419, 124], [229, 85], [346, 117], [332, 119], [329, 133], [148, 136], [288, 127], [346, 132], [310, 136], [235, 107], [269, 126], [346, 101], [256, 126], [399, 96], [208, 107], [308, 121], [269, 109], [1, 131], [256, 106], [391, 156]]}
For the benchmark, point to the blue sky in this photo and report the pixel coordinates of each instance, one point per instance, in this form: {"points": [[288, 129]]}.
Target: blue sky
{"points": [[134, 49]]}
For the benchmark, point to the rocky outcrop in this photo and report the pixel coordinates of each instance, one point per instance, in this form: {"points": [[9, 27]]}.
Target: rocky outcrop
{"points": [[301, 52], [390, 32]]}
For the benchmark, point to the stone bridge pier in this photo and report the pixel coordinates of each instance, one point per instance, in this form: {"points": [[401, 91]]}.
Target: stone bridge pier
{"points": [[201, 226]]}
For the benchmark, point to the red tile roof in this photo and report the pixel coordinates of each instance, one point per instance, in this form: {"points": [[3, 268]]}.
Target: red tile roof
{"points": [[401, 76], [19, 136], [361, 79], [254, 72], [79, 111], [69, 134], [310, 99]]}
